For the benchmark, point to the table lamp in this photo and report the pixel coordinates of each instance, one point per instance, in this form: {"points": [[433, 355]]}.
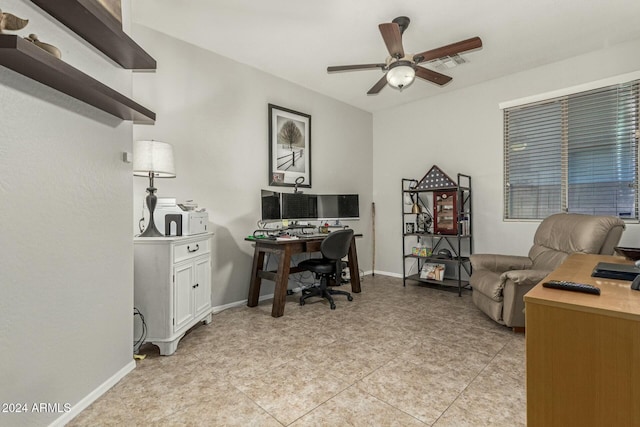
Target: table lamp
{"points": [[153, 159]]}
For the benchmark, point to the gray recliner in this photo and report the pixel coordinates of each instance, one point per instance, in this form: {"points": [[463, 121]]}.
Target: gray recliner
{"points": [[499, 282]]}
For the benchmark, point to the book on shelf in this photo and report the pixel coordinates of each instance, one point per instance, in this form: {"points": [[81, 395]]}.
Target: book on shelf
{"points": [[432, 271]]}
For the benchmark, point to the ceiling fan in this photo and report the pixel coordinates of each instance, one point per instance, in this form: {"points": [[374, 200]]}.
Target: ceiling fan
{"points": [[401, 68]]}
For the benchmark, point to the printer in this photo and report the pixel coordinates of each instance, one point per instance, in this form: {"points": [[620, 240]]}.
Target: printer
{"points": [[180, 219]]}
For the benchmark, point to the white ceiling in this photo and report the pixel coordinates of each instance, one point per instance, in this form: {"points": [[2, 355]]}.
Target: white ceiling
{"points": [[297, 39]]}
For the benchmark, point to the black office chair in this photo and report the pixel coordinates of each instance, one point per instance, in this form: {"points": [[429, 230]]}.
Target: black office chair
{"points": [[333, 248]]}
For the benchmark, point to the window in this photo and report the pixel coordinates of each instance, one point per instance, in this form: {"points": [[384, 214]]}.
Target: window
{"points": [[577, 153]]}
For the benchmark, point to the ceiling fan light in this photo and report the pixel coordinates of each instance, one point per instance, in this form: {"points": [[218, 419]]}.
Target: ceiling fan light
{"points": [[401, 76]]}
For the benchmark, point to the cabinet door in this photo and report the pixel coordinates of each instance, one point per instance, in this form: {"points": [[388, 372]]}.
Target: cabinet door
{"points": [[202, 290], [183, 295]]}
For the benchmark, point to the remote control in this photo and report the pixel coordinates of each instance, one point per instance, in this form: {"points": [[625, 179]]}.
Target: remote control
{"points": [[572, 286]]}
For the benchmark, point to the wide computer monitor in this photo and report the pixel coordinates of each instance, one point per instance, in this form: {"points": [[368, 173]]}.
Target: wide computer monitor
{"points": [[302, 206]]}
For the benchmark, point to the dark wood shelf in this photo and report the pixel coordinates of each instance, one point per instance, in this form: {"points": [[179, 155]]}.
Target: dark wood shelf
{"points": [[29, 60], [98, 27]]}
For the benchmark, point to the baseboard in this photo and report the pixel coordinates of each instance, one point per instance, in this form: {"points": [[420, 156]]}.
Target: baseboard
{"points": [[388, 273], [94, 395], [219, 308]]}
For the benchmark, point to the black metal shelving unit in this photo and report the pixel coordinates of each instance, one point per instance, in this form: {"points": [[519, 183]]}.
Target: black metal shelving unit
{"points": [[458, 268]]}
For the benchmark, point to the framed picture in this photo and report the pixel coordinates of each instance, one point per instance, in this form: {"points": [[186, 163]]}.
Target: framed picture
{"points": [[289, 147]]}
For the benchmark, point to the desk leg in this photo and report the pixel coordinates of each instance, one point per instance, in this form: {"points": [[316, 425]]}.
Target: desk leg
{"points": [[282, 283], [354, 270], [256, 280]]}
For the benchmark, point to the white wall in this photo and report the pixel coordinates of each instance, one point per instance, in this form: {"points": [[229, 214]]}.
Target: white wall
{"points": [[461, 131], [66, 254], [214, 112]]}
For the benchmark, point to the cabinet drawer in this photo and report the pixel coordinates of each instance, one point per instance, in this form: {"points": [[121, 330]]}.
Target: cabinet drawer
{"points": [[187, 250]]}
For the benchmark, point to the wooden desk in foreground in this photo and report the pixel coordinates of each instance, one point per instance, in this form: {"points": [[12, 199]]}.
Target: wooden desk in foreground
{"points": [[583, 351], [284, 250]]}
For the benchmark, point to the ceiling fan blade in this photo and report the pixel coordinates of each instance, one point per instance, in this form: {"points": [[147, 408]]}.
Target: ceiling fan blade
{"points": [[448, 50], [392, 38], [432, 76], [354, 67], [378, 86]]}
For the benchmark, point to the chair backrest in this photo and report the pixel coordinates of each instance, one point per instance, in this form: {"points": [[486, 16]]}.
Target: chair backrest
{"points": [[562, 234], [336, 245]]}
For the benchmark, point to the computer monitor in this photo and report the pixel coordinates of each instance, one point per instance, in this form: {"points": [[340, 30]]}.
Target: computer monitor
{"points": [[271, 205], [299, 206], [338, 206], [348, 206]]}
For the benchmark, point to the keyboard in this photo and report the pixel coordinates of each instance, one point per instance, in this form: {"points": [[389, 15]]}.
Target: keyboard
{"points": [[572, 286]]}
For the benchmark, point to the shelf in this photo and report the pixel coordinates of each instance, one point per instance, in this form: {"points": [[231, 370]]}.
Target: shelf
{"points": [[433, 259], [453, 236], [450, 283], [93, 23], [432, 190], [29, 60]]}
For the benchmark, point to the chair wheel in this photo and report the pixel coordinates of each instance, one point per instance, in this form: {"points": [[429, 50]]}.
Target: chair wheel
{"points": [[301, 302], [333, 306], [349, 297]]}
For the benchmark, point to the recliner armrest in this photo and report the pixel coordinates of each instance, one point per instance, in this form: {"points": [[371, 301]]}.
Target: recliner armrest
{"points": [[500, 263], [524, 277]]}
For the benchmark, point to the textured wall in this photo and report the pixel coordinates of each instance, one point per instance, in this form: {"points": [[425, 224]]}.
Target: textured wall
{"points": [[66, 254]]}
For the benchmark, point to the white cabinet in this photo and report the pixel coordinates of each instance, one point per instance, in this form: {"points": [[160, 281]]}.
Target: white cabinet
{"points": [[172, 286]]}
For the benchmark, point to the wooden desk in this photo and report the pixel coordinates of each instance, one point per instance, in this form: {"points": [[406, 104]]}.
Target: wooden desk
{"points": [[284, 250], [583, 351]]}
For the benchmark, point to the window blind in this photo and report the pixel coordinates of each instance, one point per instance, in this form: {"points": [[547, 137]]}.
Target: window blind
{"points": [[576, 153]]}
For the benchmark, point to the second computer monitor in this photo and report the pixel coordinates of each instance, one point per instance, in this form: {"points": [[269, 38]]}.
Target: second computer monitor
{"points": [[338, 206], [299, 206]]}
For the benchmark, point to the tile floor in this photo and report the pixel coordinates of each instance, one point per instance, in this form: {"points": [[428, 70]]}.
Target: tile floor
{"points": [[395, 356]]}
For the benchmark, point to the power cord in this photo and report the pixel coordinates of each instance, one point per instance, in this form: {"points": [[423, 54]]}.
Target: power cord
{"points": [[141, 221], [138, 343]]}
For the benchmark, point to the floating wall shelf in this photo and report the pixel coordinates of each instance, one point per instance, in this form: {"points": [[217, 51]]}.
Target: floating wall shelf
{"points": [[93, 23], [29, 60]]}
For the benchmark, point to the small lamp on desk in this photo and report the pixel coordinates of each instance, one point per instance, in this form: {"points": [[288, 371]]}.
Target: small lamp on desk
{"points": [[153, 159]]}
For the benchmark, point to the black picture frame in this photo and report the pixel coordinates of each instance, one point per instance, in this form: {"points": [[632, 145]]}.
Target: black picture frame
{"points": [[289, 166]]}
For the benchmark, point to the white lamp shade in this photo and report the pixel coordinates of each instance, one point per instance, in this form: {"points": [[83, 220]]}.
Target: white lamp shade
{"points": [[153, 156], [401, 76]]}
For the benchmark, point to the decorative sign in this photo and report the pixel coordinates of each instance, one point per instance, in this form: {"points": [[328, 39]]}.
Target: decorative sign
{"points": [[435, 179]]}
